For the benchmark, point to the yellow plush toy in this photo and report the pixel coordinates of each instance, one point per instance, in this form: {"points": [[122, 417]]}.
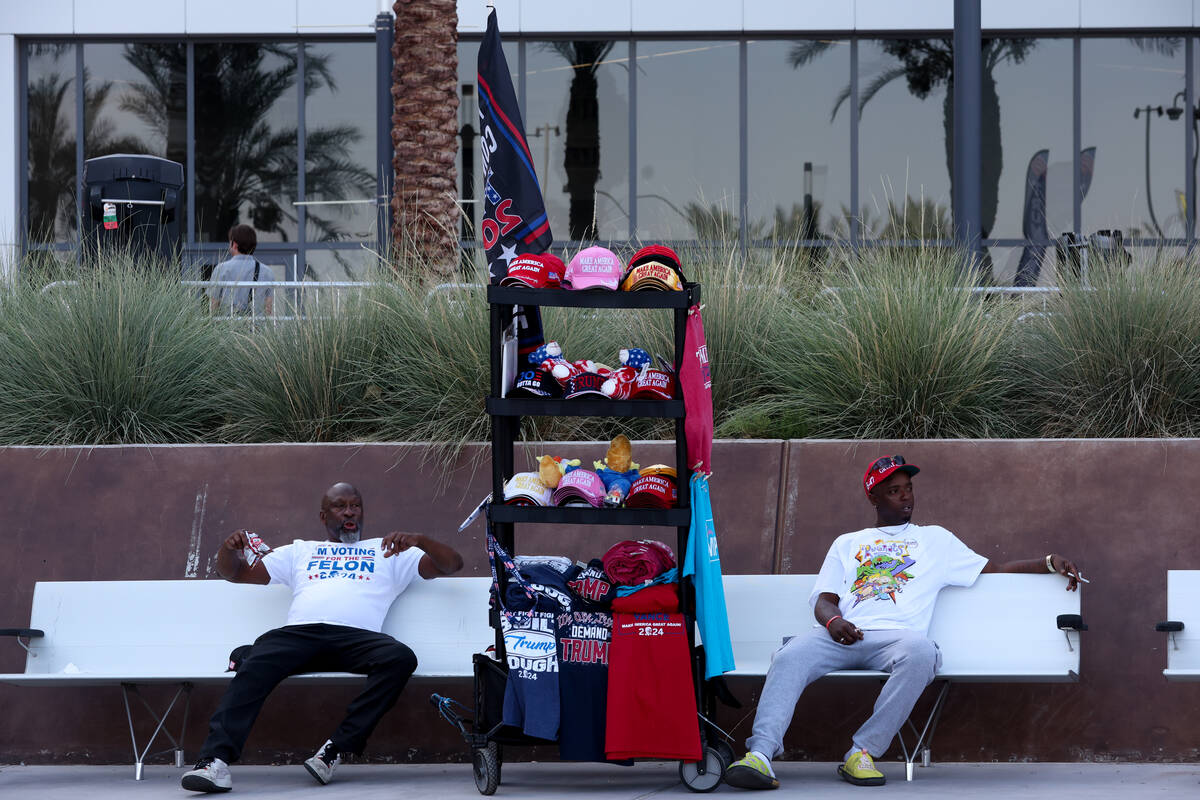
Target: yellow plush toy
{"points": [[552, 468], [619, 457]]}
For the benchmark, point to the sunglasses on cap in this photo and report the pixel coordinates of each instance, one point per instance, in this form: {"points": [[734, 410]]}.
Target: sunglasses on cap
{"points": [[887, 462]]}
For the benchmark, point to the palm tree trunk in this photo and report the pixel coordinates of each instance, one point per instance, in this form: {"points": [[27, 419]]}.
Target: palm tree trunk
{"points": [[425, 134], [582, 152]]}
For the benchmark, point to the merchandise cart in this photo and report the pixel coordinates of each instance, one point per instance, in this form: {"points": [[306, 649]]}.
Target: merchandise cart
{"points": [[482, 727]]}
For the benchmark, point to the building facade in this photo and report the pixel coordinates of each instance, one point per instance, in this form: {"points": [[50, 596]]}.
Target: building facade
{"points": [[754, 121]]}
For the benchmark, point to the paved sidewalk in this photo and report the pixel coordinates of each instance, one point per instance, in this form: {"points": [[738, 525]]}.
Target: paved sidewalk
{"points": [[598, 781]]}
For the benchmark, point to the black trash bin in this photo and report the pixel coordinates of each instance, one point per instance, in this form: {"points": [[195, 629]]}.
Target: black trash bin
{"points": [[134, 205]]}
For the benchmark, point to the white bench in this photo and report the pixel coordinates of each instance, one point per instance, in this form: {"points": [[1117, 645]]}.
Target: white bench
{"points": [[1005, 628], [135, 633], [1183, 610]]}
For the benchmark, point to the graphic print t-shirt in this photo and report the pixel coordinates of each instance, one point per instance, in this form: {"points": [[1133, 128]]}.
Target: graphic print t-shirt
{"points": [[341, 584], [889, 578]]}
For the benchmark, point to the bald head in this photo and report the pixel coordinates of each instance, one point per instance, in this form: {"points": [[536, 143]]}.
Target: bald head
{"points": [[342, 513]]}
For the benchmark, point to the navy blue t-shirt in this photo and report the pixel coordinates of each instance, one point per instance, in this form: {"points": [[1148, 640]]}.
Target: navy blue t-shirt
{"points": [[583, 641], [531, 696]]}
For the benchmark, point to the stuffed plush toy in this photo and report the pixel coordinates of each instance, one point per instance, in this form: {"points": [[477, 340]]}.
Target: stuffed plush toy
{"points": [[552, 468], [620, 382], [617, 470], [550, 358], [635, 357]]}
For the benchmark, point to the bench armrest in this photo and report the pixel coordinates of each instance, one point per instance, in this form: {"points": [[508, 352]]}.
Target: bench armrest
{"points": [[28, 633], [1070, 622], [1168, 626]]}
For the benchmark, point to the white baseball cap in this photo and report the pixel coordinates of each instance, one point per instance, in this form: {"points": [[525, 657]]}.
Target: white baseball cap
{"points": [[526, 488]]}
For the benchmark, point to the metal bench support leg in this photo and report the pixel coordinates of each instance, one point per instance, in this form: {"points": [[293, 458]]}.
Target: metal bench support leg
{"points": [[921, 746], [139, 757]]}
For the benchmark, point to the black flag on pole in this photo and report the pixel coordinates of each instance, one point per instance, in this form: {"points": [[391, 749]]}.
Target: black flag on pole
{"points": [[514, 214]]}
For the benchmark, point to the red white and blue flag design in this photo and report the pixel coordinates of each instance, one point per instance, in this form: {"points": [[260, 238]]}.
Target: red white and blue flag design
{"points": [[514, 213]]}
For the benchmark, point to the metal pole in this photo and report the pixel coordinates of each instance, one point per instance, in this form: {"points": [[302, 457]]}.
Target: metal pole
{"points": [[384, 34], [968, 128]]}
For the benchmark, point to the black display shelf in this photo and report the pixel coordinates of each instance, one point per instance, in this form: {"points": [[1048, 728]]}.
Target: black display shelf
{"points": [[521, 295], [581, 407], [576, 515]]}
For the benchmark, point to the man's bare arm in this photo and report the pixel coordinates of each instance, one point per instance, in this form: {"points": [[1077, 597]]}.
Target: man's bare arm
{"points": [[828, 613], [439, 559], [231, 562], [1037, 566]]}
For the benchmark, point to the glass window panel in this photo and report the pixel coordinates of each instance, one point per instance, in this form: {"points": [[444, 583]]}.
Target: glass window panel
{"points": [[136, 102], [1029, 111], [339, 141], [1137, 181], [356, 264], [799, 148], [904, 177], [687, 140], [246, 135], [470, 176], [51, 142], [577, 124]]}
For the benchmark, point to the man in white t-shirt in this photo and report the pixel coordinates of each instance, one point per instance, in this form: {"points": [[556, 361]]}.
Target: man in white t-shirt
{"points": [[342, 588], [873, 601]]}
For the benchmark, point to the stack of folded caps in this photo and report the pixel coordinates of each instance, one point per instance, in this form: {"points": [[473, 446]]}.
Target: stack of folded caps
{"points": [[535, 383], [654, 384], [652, 491], [593, 268], [526, 489], [542, 271], [579, 485], [653, 267]]}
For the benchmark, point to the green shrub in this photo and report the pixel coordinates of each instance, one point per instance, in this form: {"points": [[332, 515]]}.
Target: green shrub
{"points": [[121, 355], [294, 381], [896, 346], [1118, 358]]}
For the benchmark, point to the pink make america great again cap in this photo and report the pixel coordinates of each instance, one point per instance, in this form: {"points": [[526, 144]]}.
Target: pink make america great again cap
{"points": [[593, 268]]}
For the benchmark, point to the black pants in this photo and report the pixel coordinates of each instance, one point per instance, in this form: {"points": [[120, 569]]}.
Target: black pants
{"points": [[311, 648]]}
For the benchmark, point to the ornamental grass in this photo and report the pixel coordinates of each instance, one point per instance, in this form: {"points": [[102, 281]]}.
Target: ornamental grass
{"points": [[1118, 356], [878, 343], [895, 345], [123, 355]]}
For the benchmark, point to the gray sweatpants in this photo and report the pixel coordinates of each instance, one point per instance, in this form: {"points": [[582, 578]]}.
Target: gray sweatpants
{"points": [[911, 658]]}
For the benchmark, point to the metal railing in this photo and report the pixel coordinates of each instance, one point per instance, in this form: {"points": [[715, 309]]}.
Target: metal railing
{"points": [[291, 300]]}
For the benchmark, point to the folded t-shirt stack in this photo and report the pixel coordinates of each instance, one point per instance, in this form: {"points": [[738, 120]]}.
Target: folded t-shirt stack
{"points": [[631, 563], [651, 697]]}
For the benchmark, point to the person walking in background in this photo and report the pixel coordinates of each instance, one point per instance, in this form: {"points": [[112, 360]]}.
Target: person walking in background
{"points": [[242, 266], [873, 602]]}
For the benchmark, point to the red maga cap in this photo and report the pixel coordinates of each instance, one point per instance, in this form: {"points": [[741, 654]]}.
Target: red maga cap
{"points": [[881, 468]]}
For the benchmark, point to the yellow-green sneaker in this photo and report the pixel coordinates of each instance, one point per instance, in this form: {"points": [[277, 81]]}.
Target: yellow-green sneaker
{"points": [[859, 769], [750, 772]]}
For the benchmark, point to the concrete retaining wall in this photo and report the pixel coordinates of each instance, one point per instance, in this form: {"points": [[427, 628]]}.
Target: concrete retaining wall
{"points": [[1123, 509]]}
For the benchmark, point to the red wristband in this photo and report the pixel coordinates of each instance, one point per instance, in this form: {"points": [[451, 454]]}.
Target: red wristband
{"points": [[831, 619]]}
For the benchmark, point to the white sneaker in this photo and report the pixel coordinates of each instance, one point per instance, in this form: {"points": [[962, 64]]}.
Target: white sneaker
{"points": [[322, 765], [210, 775]]}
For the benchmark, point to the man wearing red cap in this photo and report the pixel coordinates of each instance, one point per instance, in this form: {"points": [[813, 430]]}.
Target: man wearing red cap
{"points": [[873, 601]]}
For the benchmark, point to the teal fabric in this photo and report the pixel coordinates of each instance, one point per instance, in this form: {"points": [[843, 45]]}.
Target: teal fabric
{"points": [[703, 563]]}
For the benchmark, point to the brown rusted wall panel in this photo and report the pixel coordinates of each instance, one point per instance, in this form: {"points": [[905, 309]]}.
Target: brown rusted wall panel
{"points": [[1119, 507], [118, 513]]}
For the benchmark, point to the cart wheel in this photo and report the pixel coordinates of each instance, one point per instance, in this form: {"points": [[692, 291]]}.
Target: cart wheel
{"points": [[486, 767], [725, 751], [714, 769]]}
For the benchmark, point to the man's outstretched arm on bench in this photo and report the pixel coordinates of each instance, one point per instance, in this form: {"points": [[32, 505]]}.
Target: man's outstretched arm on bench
{"points": [[1034, 566], [231, 562]]}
